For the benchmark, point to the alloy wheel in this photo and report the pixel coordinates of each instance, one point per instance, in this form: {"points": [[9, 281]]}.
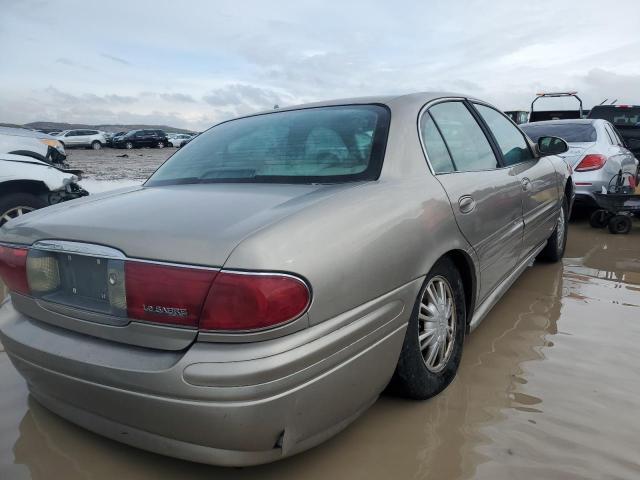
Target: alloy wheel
{"points": [[561, 229], [14, 212], [437, 324]]}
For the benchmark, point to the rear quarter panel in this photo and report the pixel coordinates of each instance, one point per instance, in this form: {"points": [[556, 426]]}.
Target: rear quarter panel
{"points": [[366, 241]]}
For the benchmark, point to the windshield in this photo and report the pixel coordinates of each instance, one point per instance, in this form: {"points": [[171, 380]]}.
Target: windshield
{"points": [[620, 116], [313, 145], [569, 132]]}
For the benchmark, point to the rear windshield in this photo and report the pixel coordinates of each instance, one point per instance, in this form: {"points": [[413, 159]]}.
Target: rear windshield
{"points": [[618, 115], [314, 145], [570, 132]]}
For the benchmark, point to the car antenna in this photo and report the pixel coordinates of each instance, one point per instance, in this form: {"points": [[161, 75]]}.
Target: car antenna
{"points": [[603, 101], [613, 103]]}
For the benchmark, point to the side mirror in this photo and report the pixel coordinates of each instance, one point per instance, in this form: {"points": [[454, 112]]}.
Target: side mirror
{"points": [[551, 146]]}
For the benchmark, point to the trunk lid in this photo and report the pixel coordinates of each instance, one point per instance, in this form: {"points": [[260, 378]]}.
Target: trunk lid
{"points": [[191, 224], [576, 152]]}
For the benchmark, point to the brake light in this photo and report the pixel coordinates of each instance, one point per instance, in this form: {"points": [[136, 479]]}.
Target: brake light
{"points": [[13, 268], [166, 294], [173, 295], [591, 162], [248, 301]]}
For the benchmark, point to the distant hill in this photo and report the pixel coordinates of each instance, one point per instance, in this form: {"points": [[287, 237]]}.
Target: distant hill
{"points": [[52, 126]]}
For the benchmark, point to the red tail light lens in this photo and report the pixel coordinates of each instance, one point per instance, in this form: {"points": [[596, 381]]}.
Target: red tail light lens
{"points": [[166, 294], [13, 269], [591, 162], [239, 301]]}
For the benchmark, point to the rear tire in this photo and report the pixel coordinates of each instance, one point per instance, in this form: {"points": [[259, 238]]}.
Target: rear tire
{"points": [[413, 377], [128, 145], [556, 243], [620, 224], [16, 204], [599, 218]]}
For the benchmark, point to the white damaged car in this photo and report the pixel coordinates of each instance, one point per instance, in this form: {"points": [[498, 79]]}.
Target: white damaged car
{"points": [[27, 183]]}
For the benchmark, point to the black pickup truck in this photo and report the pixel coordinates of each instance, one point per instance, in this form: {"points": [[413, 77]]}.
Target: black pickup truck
{"points": [[626, 119]]}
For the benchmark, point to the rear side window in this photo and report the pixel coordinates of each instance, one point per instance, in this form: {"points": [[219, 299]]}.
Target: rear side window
{"points": [[469, 147], [511, 142], [437, 152], [312, 145], [623, 116], [568, 131]]}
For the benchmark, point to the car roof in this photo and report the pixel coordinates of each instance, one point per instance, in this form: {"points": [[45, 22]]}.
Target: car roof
{"points": [[585, 121], [418, 97]]}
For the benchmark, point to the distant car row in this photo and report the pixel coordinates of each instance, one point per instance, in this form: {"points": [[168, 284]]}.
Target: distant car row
{"points": [[97, 139]]}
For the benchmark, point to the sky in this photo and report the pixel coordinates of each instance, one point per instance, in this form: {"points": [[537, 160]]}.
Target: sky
{"points": [[191, 64]]}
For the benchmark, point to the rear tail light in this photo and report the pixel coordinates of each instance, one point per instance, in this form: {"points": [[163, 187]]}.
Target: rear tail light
{"points": [[13, 268], [175, 295], [248, 301], [166, 294], [590, 162]]}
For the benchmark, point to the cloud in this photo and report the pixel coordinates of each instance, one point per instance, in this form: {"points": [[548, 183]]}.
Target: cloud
{"points": [[115, 59], [177, 97], [242, 98], [222, 60]]}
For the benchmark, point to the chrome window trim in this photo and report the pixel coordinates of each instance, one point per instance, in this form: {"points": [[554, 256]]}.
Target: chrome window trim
{"points": [[436, 101], [524, 135]]}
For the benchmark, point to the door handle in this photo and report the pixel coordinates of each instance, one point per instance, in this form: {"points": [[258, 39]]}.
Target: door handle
{"points": [[526, 184], [466, 204]]}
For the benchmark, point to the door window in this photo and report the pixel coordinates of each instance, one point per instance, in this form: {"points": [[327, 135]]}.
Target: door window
{"points": [[470, 150], [437, 152], [512, 143]]}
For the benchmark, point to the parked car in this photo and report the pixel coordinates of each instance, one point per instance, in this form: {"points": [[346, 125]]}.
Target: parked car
{"points": [[142, 138], [267, 282], [20, 141], [83, 138], [626, 119], [184, 142], [178, 139], [114, 137], [27, 184], [596, 153]]}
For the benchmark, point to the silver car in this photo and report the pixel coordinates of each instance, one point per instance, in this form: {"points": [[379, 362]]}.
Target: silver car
{"points": [[94, 139], [274, 276], [596, 153]]}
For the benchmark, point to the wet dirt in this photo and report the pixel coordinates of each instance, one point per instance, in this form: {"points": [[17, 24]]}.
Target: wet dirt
{"points": [[118, 164], [549, 387]]}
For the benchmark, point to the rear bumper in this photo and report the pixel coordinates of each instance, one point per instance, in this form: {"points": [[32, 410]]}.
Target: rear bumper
{"points": [[191, 405]]}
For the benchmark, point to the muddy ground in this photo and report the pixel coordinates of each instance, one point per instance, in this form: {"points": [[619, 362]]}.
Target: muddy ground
{"points": [[117, 164], [549, 387]]}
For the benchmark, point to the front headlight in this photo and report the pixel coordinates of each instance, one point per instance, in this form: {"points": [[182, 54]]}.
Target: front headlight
{"points": [[53, 143]]}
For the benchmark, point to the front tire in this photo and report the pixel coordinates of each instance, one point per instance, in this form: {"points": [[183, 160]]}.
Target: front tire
{"points": [[160, 145], [433, 342], [128, 145], [557, 242], [96, 145], [15, 205]]}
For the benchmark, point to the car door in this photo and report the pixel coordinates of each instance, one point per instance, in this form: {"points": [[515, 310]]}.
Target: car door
{"points": [[71, 138], [84, 137], [151, 138], [486, 198], [139, 139], [627, 160], [538, 177]]}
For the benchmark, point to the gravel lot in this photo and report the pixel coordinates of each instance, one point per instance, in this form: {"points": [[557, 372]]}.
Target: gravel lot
{"points": [[117, 164]]}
